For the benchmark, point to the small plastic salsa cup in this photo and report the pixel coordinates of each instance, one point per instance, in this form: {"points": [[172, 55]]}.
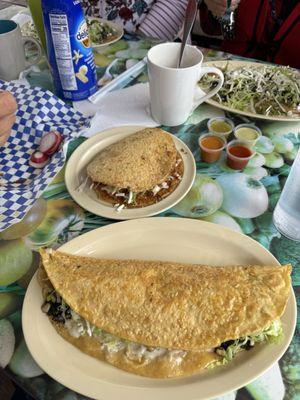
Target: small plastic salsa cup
{"points": [[239, 153], [248, 133], [220, 126], [211, 147]]}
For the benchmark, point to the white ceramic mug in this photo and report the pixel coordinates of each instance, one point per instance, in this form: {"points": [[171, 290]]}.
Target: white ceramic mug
{"points": [[12, 50], [174, 92]]}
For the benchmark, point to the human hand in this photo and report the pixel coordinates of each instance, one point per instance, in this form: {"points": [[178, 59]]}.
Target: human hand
{"points": [[8, 107], [218, 7]]}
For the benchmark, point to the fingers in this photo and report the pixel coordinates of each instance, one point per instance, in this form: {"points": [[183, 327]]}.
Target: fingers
{"points": [[4, 137], [222, 3], [6, 123], [8, 107], [217, 7], [8, 104], [218, 11], [234, 4]]}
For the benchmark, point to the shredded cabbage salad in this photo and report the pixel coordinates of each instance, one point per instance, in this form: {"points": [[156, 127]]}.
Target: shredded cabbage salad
{"points": [[267, 90]]}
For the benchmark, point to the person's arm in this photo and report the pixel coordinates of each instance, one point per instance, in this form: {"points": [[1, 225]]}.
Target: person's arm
{"points": [[164, 19], [211, 12], [218, 7], [8, 107]]}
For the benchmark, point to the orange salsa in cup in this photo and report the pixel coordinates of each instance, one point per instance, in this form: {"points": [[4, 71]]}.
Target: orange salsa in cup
{"points": [[211, 147]]}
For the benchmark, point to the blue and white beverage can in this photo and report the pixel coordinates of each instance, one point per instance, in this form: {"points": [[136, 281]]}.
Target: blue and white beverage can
{"points": [[69, 50]]}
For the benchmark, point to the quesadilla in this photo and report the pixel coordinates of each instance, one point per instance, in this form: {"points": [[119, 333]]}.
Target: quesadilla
{"points": [[137, 171], [162, 319]]}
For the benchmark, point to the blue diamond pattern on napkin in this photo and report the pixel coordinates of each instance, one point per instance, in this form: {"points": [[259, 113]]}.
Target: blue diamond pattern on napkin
{"points": [[38, 112]]}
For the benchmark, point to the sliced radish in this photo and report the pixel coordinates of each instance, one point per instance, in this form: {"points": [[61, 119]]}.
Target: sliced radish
{"points": [[56, 146], [38, 159], [50, 142]]}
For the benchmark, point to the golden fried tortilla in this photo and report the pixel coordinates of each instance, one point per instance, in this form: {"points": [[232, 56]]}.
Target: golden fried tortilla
{"points": [[167, 304], [160, 367], [138, 162]]}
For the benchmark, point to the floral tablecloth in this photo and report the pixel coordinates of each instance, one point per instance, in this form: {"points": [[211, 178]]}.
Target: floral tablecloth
{"points": [[243, 201]]}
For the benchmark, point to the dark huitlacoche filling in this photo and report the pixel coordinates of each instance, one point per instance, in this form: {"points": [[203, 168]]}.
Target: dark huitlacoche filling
{"points": [[54, 308], [245, 345]]}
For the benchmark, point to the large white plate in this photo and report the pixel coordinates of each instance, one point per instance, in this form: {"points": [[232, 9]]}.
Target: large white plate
{"points": [[174, 239], [235, 64], [76, 173]]}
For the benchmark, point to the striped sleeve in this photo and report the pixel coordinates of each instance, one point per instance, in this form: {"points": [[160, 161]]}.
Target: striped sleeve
{"points": [[164, 19]]}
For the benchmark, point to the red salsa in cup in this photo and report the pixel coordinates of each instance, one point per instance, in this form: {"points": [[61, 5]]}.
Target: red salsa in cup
{"points": [[238, 154]]}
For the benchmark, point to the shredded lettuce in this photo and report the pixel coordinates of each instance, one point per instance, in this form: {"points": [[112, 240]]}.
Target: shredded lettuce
{"points": [[228, 350]]}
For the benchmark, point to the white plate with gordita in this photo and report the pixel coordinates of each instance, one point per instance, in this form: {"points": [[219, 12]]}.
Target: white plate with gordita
{"points": [[130, 172]]}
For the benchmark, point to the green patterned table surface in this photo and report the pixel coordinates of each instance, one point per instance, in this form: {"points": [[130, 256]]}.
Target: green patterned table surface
{"points": [[220, 195]]}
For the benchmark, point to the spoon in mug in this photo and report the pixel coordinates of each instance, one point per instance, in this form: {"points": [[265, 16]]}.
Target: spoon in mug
{"points": [[190, 15]]}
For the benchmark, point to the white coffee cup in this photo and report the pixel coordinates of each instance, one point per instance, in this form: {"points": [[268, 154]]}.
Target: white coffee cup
{"points": [[174, 92], [12, 50]]}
